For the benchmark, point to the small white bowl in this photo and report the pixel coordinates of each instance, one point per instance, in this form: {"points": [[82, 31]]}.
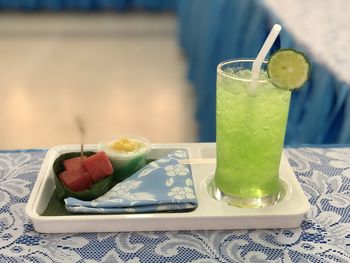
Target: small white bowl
{"points": [[120, 159]]}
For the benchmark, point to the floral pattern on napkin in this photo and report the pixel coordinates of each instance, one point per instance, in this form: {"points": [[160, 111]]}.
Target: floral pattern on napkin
{"points": [[164, 185]]}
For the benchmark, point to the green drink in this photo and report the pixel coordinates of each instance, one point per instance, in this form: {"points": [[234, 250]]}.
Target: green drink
{"points": [[250, 130]]}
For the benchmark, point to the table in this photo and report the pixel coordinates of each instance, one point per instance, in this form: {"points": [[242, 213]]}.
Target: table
{"points": [[324, 236], [213, 31]]}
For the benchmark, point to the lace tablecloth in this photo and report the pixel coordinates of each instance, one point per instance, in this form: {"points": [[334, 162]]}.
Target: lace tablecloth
{"points": [[324, 235], [322, 27]]}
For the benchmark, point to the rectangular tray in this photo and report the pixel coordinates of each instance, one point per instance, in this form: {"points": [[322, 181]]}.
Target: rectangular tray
{"points": [[209, 215]]}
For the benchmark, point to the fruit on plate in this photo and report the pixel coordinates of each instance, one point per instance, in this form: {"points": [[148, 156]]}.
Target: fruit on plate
{"points": [[73, 164], [98, 166], [76, 180], [79, 176]]}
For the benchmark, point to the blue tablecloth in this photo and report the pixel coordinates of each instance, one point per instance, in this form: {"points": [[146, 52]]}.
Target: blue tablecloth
{"points": [[213, 31], [324, 236]]}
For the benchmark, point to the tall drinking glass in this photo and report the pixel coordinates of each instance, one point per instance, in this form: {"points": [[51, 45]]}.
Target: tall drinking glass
{"points": [[251, 126]]}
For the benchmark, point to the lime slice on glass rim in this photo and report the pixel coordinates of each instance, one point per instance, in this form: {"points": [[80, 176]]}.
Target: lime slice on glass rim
{"points": [[288, 69]]}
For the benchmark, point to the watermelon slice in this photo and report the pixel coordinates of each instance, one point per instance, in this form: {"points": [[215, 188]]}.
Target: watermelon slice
{"points": [[98, 166], [76, 180], [73, 164]]}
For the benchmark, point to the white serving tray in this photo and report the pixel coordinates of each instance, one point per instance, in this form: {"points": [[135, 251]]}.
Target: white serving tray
{"points": [[209, 215]]}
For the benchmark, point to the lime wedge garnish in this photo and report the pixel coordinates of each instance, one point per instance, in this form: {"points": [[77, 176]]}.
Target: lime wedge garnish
{"points": [[288, 69]]}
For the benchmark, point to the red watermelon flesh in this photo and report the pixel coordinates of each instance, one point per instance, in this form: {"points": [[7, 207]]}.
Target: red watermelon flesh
{"points": [[76, 180], [73, 164], [98, 166]]}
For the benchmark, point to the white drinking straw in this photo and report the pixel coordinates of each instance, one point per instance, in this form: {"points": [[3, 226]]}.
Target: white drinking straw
{"points": [[262, 54]]}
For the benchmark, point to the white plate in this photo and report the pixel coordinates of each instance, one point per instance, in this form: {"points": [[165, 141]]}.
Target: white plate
{"points": [[210, 214]]}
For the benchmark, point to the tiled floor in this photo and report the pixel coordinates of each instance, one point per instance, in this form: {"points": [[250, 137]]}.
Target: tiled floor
{"points": [[121, 73]]}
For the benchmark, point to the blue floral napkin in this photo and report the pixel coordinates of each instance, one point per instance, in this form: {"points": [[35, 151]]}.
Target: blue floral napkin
{"points": [[163, 185]]}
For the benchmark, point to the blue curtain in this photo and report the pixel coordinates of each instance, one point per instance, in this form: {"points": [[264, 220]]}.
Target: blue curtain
{"points": [[213, 31], [86, 5]]}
